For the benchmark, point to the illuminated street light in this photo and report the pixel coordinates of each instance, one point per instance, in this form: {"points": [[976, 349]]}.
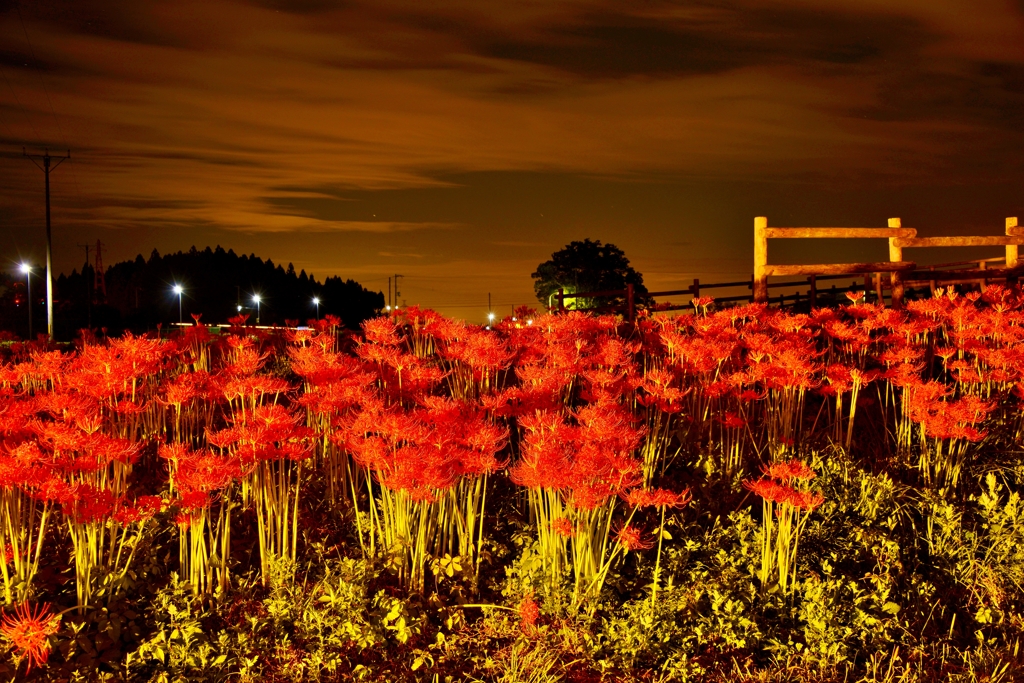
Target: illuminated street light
{"points": [[27, 270], [256, 300], [316, 302], [178, 290]]}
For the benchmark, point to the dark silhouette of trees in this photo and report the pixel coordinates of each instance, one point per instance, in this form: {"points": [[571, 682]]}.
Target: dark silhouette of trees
{"points": [[587, 266], [217, 284]]}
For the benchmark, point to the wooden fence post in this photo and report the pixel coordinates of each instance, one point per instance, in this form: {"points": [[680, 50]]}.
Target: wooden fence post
{"points": [[630, 303], [878, 289], [1011, 249], [760, 259], [813, 293], [896, 255], [695, 288], [561, 300]]}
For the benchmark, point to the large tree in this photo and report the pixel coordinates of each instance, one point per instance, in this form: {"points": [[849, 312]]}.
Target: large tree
{"points": [[587, 266]]}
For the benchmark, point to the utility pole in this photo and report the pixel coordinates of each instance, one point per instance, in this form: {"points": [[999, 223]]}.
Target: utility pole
{"points": [[100, 288], [389, 293], [396, 288], [88, 286], [46, 168]]}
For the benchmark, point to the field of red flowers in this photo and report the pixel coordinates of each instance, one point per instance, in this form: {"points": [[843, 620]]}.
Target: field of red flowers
{"points": [[736, 494]]}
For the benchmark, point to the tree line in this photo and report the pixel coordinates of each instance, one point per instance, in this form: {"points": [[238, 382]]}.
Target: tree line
{"points": [[216, 284]]}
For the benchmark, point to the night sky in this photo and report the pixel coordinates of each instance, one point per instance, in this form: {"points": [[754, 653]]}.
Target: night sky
{"points": [[460, 143]]}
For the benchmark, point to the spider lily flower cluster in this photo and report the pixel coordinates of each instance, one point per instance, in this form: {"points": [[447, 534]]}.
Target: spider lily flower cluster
{"points": [[410, 425]]}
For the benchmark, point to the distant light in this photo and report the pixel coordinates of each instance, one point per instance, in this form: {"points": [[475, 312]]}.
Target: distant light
{"points": [[530, 321], [178, 290], [25, 268], [388, 308], [316, 301], [239, 308], [513, 319], [490, 316], [255, 298]]}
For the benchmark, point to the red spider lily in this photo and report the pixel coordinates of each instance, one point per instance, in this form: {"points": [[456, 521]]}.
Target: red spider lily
{"points": [[29, 630], [381, 331], [24, 466], [54, 490], [794, 469], [529, 612], [222, 438], [49, 365], [770, 490], [546, 449], [246, 360], [10, 375], [702, 301], [59, 437], [839, 378], [479, 349], [319, 366], [631, 538], [563, 527], [252, 388], [193, 501], [199, 470], [184, 388], [806, 500], [65, 405], [89, 504], [142, 509], [731, 420]]}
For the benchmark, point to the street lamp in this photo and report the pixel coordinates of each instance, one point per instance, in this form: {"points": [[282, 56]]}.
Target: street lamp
{"points": [[316, 302], [27, 270], [256, 300], [178, 289]]}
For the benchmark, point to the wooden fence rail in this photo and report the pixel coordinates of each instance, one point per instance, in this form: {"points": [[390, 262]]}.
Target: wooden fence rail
{"points": [[900, 272]]}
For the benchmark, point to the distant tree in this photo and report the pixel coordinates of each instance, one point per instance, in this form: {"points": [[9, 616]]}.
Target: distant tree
{"points": [[587, 266]]}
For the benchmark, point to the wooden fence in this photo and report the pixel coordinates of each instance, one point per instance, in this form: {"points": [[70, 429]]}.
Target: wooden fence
{"points": [[901, 273]]}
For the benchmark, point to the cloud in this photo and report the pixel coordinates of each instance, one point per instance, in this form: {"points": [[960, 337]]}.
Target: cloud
{"points": [[472, 128], [515, 243], [373, 227], [392, 254]]}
